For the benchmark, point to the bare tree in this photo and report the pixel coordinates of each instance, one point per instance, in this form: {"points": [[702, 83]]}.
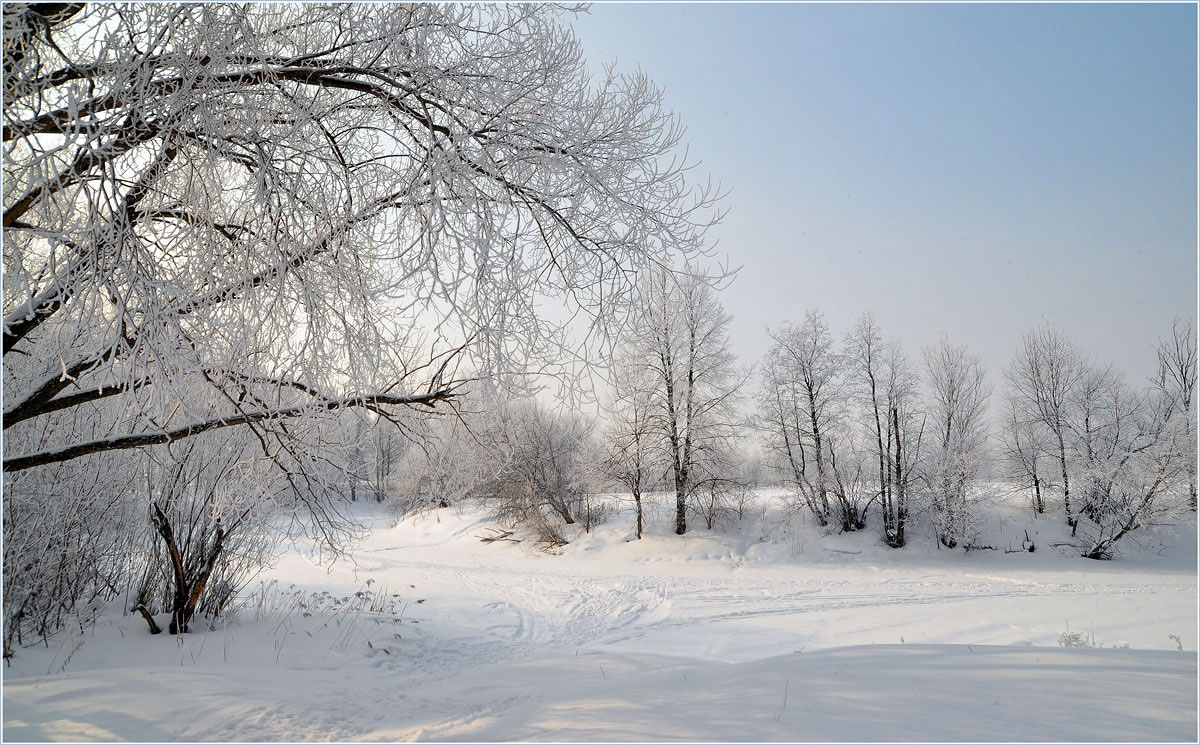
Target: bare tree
{"points": [[1137, 472], [71, 541], [1176, 380], [387, 450], [1097, 404], [205, 198], [802, 401], [1128, 452], [679, 336], [957, 403], [1026, 452], [1042, 380], [634, 460], [209, 523], [886, 387], [538, 468], [443, 465]]}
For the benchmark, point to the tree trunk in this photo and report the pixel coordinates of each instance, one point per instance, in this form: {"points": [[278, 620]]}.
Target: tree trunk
{"points": [[816, 432], [901, 508], [637, 500], [680, 509], [188, 589], [1062, 462]]}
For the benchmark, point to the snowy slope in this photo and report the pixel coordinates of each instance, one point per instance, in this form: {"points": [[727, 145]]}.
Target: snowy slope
{"points": [[767, 632]]}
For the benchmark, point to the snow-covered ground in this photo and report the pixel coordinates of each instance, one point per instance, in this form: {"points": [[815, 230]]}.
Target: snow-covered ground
{"points": [[768, 630]]}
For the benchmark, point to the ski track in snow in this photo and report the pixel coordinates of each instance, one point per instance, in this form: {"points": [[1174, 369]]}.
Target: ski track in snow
{"points": [[525, 612]]}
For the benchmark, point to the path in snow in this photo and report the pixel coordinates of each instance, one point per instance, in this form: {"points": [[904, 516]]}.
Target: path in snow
{"points": [[506, 601], [660, 639]]}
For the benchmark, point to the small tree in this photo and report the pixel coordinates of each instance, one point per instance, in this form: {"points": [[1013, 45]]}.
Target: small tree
{"points": [[1141, 474], [387, 450], [72, 537], [1176, 381], [1027, 453], [1042, 380], [443, 466], [958, 394], [200, 503], [634, 455]]}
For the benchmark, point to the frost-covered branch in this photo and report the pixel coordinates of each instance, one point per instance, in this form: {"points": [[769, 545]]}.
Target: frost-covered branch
{"points": [[126, 442]]}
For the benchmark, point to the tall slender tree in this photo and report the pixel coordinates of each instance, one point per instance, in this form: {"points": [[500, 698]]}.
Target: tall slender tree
{"points": [[803, 375], [679, 335], [885, 387]]}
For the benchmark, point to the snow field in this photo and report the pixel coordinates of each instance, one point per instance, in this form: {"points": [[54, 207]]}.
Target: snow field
{"points": [[769, 631]]}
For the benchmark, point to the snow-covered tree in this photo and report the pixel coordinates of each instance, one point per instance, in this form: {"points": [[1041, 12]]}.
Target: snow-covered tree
{"points": [[678, 341], [209, 534], [1027, 456], [1137, 474], [886, 390], [1124, 456], [268, 199], [633, 456], [440, 467], [260, 216], [1042, 380], [538, 467], [803, 410], [1176, 380], [958, 395]]}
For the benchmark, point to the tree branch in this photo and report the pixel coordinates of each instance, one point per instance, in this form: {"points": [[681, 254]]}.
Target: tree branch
{"points": [[129, 442]]}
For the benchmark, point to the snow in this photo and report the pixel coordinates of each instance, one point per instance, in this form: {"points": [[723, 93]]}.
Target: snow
{"points": [[766, 631]]}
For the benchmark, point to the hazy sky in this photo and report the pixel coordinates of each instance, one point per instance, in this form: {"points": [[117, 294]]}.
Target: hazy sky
{"points": [[971, 169]]}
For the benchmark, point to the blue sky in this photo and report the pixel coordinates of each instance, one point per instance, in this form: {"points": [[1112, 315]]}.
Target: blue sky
{"points": [[967, 169]]}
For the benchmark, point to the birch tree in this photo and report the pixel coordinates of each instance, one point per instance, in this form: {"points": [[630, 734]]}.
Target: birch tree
{"points": [[802, 400], [885, 387], [679, 337]]}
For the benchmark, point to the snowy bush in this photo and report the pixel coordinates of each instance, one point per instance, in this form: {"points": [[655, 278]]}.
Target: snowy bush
{"points": [[71, 541], [538, 469], [1075, 639], [441, 468]]}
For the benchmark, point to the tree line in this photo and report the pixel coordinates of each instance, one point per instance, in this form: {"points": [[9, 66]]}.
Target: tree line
{"points": [[860, 435]]}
